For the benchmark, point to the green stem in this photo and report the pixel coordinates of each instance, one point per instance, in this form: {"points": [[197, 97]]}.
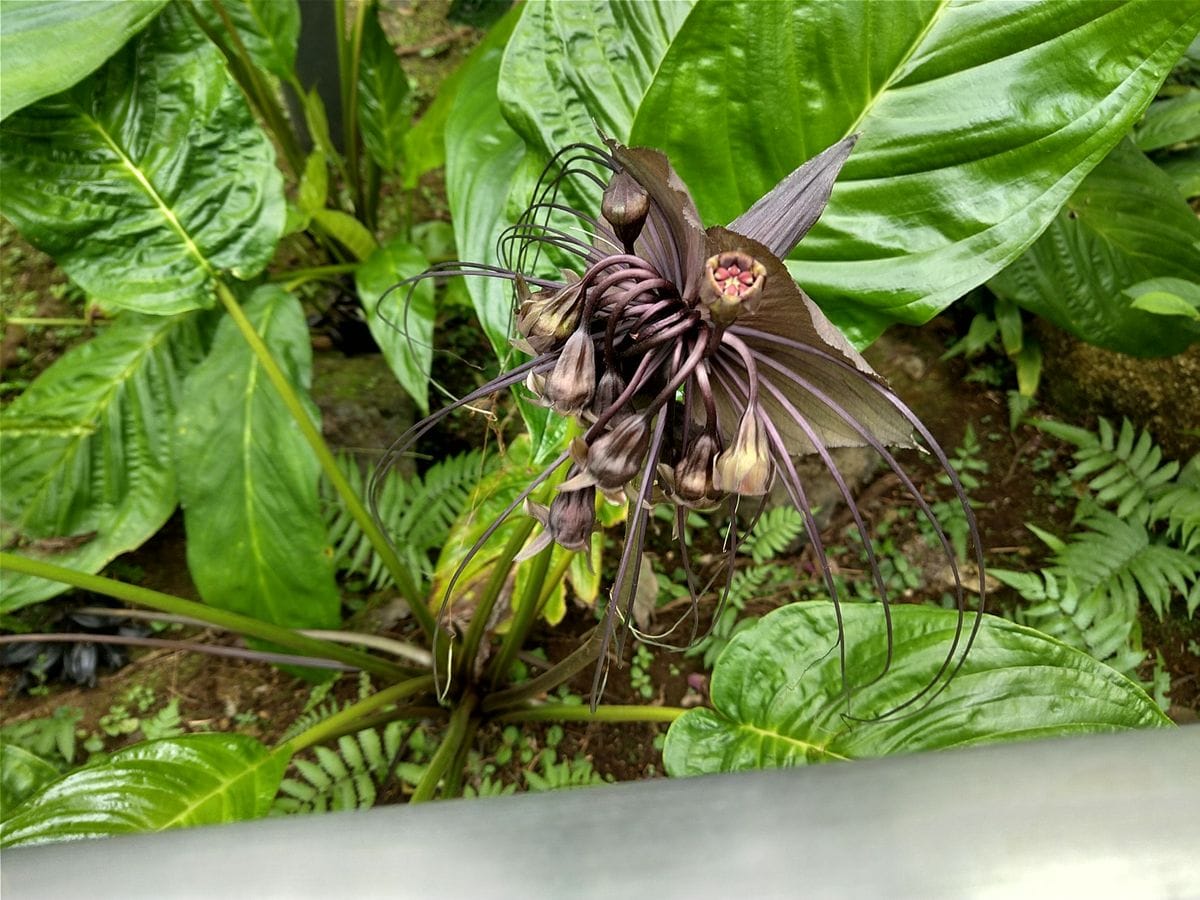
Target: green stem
{"points": [[560, 672], [501, 569], [275, 634], [561, 712], [524, 617], [312, 434], [454, 775], [35, 322], [293, 278], [455, 735], [259, 92], [557, 574], [350, 717], [349, 70]]}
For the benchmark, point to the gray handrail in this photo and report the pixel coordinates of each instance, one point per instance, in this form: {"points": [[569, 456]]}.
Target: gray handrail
{"points": [[1096, 816]]}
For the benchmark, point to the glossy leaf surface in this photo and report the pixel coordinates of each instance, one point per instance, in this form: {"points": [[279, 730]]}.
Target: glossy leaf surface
{"points": [[49, 45], [256, 543], [268, 29], [574, 67], [384, 109], [149, 178], [1125, 225], [198, 779], [778, 696], [403, 324], [21, 773], [978, 120], [86, 450]]}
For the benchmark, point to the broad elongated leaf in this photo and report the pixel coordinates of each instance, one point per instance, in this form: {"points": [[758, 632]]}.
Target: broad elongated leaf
{"points": [[778, 696], [1170, 121], [483, 155], [573, 67], [198, 779], [149, 178], [403, 325], [384, 109], [87, 453], [1124, 225], [978, 120], [21, 774], [248, 480], [268, 29], [49, 45]]}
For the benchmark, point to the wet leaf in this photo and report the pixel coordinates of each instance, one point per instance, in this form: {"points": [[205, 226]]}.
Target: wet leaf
{"points": [[403, 324], [49, 45], [248, 480], [778, 696], [198, 779], [87, 448], [148, 179]]}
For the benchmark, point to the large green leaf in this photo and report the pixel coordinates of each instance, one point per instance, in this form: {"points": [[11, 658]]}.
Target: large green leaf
{"points": [[483, 155], [198, 779], [778, 696], [86, 450], [573, 67], [22, 772], [149, 178], [403, 327], [48, 45], [1124, 225], [384, 109], [978, 120], [248, 480], [268, 29]]}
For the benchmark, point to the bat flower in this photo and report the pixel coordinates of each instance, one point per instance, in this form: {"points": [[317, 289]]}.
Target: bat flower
{"points": [[698, 370]]}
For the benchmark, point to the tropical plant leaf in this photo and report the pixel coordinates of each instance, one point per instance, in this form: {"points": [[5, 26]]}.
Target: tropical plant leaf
{"points": [[384, 107], [248, 480], [400, 320], [268, 29], [483, 155], [978, 120], [86, 450], [198, 779], [1171, 121], [49, 45], [356, 237], [778, 695], [1166, 297], [1184, 171], [22, 773], [574, 67], [148, 179], [1124, 225]]}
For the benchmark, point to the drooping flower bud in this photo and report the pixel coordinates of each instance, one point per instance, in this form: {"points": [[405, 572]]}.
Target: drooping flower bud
{"points": [[608, 389], [733, 281], [570, 384], [745, 468], [625, 205], [546, 318], [619, 454], [692, 480], [569, 522]]}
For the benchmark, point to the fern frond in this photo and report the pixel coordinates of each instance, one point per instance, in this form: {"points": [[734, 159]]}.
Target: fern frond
{"points": [[1124, 470], [1118, 558], [1103, 626], [346, 778], [416, 512], [1179, 507], [774, 532]]}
